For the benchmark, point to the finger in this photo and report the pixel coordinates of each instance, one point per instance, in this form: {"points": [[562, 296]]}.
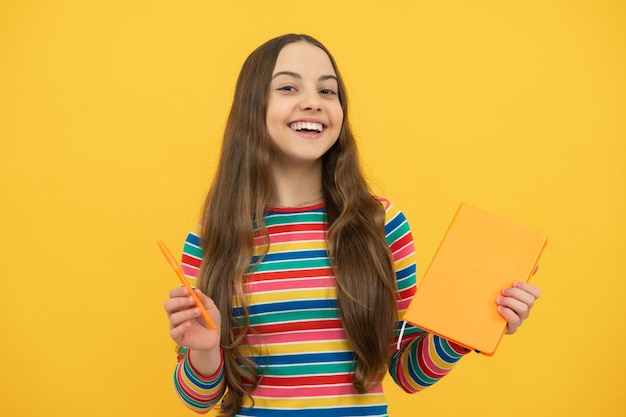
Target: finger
{"points": [[512, 319], [210, 307], [177, 333], [206, 301], [171, 305], [182, 316], [529, 288], [521, 309], [520, 295], [179, 292]]}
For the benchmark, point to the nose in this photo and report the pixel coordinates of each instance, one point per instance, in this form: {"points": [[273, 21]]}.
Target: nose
{"points": [[310, 101]]}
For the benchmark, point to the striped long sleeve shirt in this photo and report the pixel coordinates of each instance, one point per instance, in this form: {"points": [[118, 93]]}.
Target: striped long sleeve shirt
{"points": [[297, 339]]}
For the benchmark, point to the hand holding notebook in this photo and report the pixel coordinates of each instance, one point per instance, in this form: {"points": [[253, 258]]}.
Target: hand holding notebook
{"points": [[480, 254], [515, 303]]}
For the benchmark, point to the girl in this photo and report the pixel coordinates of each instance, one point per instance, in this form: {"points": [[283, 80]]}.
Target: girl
{"points": [[304, 272]]}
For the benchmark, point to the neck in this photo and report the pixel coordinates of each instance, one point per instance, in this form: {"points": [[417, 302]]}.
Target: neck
{"points": [[296, 187], [303, 203]]}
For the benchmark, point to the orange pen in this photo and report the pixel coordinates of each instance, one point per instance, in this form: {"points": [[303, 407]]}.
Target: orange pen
{"points": [[179, 271]]}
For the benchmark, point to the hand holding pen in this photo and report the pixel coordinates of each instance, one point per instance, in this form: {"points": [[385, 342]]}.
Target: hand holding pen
{"points": [[192, 315], [181, 276]]}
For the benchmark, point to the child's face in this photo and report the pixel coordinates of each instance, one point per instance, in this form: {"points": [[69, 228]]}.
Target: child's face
{"points": [[304, 115]]}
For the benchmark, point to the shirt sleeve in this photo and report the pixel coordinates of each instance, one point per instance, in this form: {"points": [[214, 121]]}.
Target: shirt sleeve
{"points": [[422, 358], [197, 392]]}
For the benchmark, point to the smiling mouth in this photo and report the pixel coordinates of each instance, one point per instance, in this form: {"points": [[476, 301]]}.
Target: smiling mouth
{"points": [[307, 127]]}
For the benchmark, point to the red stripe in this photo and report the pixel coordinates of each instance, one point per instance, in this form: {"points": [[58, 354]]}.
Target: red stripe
{"points": [[406, 293], [189, 390], [190, 260], [307, 380], [458, 348], [423, 350], [300, 273], [298, 325], [291, 228], [298, 227], [400, 243]]}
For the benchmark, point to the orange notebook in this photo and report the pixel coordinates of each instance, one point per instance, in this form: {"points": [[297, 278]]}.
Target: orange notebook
{"points": [[480, 254]]}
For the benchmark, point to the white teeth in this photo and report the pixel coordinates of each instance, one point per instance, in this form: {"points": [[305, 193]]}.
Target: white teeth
{"points": [[306, 126]]}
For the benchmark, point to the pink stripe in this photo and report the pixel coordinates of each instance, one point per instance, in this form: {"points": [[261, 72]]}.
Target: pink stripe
{"points": [[295, 337], [401, 378], [289, 284], [385, 202], [428, 360], [193, 391], [408, 250], [310, 391], [190, 271], [404, 304], [292, 237]]}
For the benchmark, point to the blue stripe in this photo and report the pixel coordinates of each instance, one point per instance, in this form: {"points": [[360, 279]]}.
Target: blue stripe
{"points": [[202, 384], [193, 239], [371, 410], [410, 329], [300, 255], [413, 367], [308, 358], [406, 272], [394, 223], [287, 306], [443, 354]]}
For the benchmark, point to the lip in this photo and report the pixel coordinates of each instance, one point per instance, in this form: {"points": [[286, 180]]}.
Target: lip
{"points": [[308, 120]]}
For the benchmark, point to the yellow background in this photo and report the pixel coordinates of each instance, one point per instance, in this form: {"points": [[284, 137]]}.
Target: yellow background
{"points": [[111, 114]]}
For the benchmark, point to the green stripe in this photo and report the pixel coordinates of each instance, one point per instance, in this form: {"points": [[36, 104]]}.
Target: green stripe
{"points": [[398, 233], [406, 282], [287, 316], [299, 370], [411, 330], [445, 345], [283, 219], [190, 400], [414, 363], [192, 250], [295, 264]]}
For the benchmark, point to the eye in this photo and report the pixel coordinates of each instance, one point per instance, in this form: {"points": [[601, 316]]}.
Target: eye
{"points": [[328, 91], [288, 88]]}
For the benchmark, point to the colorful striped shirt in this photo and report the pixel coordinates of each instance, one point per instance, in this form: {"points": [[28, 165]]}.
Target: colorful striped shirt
{"points": [[297, 339]]}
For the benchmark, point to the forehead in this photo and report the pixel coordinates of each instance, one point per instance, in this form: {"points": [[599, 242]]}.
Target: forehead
{"points": [[304, 59]]}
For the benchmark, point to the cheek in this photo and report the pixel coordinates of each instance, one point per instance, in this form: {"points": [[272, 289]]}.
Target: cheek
{"points": [[272, 119], [277, 112], [338, 117], [339, 122]]}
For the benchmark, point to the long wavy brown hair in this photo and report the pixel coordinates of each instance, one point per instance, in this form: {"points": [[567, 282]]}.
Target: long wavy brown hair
{"points": [[357, 247]]}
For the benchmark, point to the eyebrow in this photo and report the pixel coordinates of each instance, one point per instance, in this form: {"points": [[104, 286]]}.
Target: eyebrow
{"points": [[298, 76]]}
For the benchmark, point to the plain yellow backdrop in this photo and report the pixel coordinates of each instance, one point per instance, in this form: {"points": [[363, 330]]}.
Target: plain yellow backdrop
{"points": [[111, 114]]}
